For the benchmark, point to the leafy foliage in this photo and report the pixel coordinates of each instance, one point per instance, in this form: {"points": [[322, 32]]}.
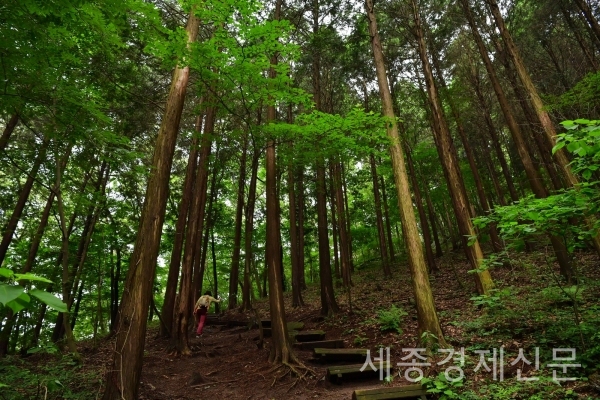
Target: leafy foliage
{"points": [[17, 297], [389, 320]]}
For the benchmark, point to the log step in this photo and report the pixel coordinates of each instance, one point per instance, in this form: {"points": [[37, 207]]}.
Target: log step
{"points": [[327, 355], [309, 336], [292, 325], [401, 392], [324, 344], [337, 374]]}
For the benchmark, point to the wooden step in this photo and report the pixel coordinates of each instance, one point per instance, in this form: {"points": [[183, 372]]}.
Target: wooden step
{"points": [[295, 326], [292, 325], [339, 373], [324, 344], [309, 336], [402, 392], [327, 355], [291, 329]]}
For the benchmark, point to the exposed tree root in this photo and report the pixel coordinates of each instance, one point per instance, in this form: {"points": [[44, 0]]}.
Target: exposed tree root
{"points": [[294, 369]]}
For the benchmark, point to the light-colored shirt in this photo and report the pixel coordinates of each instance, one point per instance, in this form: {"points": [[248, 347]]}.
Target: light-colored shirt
{"points": [[205, 301]]}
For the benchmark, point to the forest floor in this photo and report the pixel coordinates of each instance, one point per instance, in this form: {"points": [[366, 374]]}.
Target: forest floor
{"points": [[529, 309]]}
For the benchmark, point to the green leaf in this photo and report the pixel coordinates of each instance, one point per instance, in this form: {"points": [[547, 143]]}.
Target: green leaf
{"points": [[19, 303], [9, 292], [31, 277], [49, 299], [6, 273], [558, 146]]}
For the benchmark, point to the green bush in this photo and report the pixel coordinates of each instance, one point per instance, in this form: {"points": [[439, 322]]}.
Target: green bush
{"points": [[389, 320]]}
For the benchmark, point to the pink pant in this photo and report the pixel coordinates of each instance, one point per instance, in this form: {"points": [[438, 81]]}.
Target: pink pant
{"points": [[201, 313]]}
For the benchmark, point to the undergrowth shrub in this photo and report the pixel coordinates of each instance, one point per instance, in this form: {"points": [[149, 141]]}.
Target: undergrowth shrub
{"points": [[389, 320]]}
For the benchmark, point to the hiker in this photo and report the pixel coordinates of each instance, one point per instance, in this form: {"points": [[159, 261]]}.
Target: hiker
{"points": [[201, 308]]}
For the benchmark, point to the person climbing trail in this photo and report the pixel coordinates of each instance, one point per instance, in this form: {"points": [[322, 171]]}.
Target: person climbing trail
{"points": [[201, 308]]}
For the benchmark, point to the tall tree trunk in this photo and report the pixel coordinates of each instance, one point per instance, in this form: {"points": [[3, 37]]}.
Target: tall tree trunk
{"points": [[297, 300], [182, 219], [347, 211], [300, 192], [281, 349], [8, 130], [422, 217], [426, 313], [447, 152], [78, 302], [432, 223], [179, 332], [589, 16], [589, 54], [123, 378], [345, 268], [387, 219], [235, 258], [334, 224], [248, 230], [202, 184], [115, 275], [328, 304], [9, 228], [534, 97], [533, 176], [494, 136], [483, 201], [379, 218], [544, 148], [214, 262], [65, 262], [33, 249], [72, 284]]}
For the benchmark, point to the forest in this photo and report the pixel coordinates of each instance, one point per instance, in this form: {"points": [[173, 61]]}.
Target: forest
{"points": [[416, 177]]}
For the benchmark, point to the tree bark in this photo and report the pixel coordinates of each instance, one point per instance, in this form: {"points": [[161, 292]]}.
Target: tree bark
{"points": [[589, 16], [432, 223], [447, 153], [300, 192], [483, 201], [297, 300], [202, 184], [11, 226], [248, 254], [494, 136], [589, 54], [347, 211], [379, 218], [123, 378], [65, 263], [187, 292], [182, 219], [422, 217], [281, 349], [8, 130], [74, 277], [328, 304], [115, 276], [334, 224], [534, 97], [345, 268], [235, 259], [533, 176], [387, 220], [426, 313]]}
